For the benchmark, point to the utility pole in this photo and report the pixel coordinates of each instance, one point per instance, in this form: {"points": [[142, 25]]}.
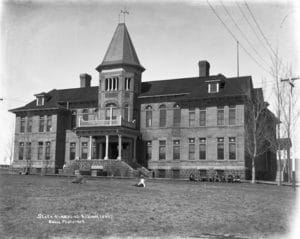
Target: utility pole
{"points": [[292, 85], [237, 59]]}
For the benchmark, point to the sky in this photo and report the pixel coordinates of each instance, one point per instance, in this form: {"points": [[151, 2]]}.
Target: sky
{"points": [[45, 45]]}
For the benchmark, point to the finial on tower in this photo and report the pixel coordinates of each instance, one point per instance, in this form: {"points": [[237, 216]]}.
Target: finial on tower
{"points": [[124, 12]]}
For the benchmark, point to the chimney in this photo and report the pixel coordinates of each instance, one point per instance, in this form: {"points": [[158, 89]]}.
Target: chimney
{"points": [[85, 80], [203, 68]]}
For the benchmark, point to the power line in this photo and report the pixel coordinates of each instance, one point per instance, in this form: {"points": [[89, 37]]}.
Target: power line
{"points": [[261, 32], [252, 28], [235, 38], [244, 36]]}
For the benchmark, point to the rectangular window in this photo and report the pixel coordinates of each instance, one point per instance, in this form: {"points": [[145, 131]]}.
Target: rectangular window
{"points": [[232, 148], [213, 87], [176, 149], [220, 148], [232, 115], [148, 118], [22, 125], [48, 148], [149, 150], [72, 151], [202, 120], [49, 123], [73, 119], [40, 150], [41, 124], [28, 151], [202, 148], [191, 149], [162, 150], [40, 101], [220, 115], [192, 117], [21, 150], [84, 150], [162, 117], [176, 116], [175, 173], [29, 124]]}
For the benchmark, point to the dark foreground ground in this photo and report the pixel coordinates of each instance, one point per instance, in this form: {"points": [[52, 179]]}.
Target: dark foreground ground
{"points": [[46, 207]]}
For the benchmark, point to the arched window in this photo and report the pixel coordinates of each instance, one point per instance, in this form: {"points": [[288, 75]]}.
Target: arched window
{"points": [[85, 114], [126, 112], [110, 111], [148, 116], [176, 115], [162, 116]]}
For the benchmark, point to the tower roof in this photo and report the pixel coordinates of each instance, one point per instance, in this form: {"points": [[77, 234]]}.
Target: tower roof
{"points": [[120, 51]]}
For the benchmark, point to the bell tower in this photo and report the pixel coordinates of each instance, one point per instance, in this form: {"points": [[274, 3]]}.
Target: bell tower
{"points": [[120, 78]]}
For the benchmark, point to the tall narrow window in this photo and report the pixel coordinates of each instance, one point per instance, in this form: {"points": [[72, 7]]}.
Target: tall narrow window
{"points": [[127, 83], [202, 116], [148, 116], [220, 148], [73, 119], [22, 125], [72, 150], [28, 151], [220, 115], [49, 123], [106, 84], [29, 124], [48, 149], [202, 148], [176, 149], [21, 150], [40, 150], [192, 117], [126, 112], [232, 148], [232, 115], [176, 115], [149, 150], [41, 124], [162, 116], [84, 150], [191, 148], [162, 149]]}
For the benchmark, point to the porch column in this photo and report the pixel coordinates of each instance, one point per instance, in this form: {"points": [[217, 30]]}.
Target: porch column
{"points": [[120, 147], [90, 147], [78, 148], [106, 146], [134, 149]]}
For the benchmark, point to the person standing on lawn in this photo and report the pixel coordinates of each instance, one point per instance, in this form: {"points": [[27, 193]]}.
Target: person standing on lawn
{"points": [[141, 182]]}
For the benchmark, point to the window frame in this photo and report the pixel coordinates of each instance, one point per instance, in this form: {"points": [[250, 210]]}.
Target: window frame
{"points": [[192, 121], [202, 142], [176, 149], [162, 144], [148, 119], [220, 148], [201, 112], [220, 116], [162, 116], [232, 112], [176, 115], [192, 145], [232, 142]]}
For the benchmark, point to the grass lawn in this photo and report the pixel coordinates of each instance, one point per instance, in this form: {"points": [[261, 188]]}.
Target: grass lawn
{"points": [[113, 207]]}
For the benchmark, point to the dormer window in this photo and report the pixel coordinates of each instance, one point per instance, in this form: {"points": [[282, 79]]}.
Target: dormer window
{"points": [[40, 100], [213, 87]]}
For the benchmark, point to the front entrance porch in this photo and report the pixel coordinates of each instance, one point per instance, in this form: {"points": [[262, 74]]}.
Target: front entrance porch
{"points": [[105, 143]]}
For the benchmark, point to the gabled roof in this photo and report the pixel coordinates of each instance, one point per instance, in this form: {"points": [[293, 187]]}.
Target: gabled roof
{"points": [[120, 51], [196, 87], [57, 99]]}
